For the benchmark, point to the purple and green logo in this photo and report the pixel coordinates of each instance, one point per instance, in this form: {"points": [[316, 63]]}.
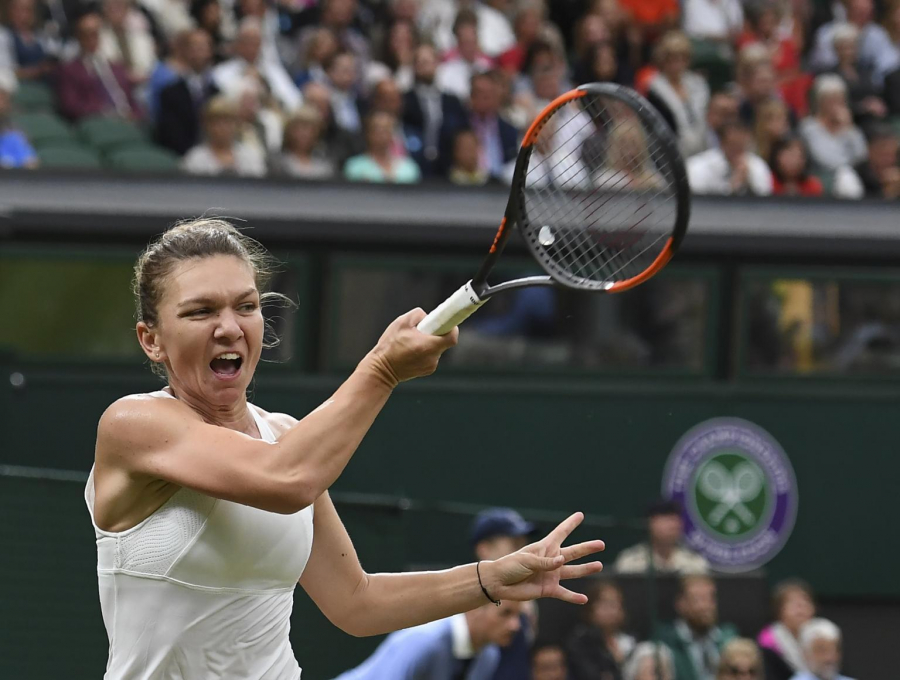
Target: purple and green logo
{"points": [[737, 490]]}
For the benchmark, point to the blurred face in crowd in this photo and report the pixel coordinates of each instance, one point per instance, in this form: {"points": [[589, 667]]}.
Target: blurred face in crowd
{"points": [[592, 29], [342, 72], [89, 33], [845, 49], [253, 8], [322, 46], [547, 81], [467, 41], [798, 607], [495, 547], [740, 667], [735, 143], [773, 119], [380, 133], [723, 108], [548, 663], [115, 12], [859, 12], [697, 605], [607, 612], [823, 657], [605, 64], [762, 83], [465, 153], [402, 41], [676, 61], [248, 44], [198, 51], [425, 64], [338, 13], [883, 153], [528, 25], [791, 162], [833, 107], [386, 97], [317, 95], [21, 14], [221, 131], [767, 22], [301, 136], [647, 670], [666, 531], [485, 96], [405, 10], [496, 625], [211, 17]]}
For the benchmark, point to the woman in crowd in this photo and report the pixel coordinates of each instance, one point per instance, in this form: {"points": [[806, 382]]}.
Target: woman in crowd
{"points": [[780, 642], [740, 660], [207, 14], [397, 57], [650, 661], [830, 134], [598, 648], [790, 169], [862, 95], [379, 163], [221, 153], [299, 157], [772, 123]]}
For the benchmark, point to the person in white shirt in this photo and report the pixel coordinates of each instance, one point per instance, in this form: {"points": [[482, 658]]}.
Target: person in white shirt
{"points": [[341, 73], [221, 153], [833, 139], [717, 20], [125, 38], [731, 170], [437, 17], [454, 76]]}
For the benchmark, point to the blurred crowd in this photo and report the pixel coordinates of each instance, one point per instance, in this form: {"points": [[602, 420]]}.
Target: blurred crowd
{"points": [[511, 641], [798, 97]]}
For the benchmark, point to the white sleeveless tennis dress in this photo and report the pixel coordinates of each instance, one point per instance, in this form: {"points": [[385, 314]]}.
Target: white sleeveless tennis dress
{"points": [[203, 588]]}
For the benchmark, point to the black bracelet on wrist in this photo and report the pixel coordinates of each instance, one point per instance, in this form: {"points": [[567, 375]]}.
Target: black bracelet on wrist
{"points": [[483, 589]]}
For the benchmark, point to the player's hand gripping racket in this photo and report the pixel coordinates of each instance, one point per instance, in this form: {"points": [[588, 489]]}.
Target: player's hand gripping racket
{"points": [[599, 194]]}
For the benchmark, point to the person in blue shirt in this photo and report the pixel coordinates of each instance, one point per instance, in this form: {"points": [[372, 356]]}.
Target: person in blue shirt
{"points": [[820, 640], [462, 647], [15, 151]]}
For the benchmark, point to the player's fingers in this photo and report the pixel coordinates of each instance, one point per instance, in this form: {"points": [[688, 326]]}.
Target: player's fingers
{"points": [[580, 570], [576, 552], [569, 596], [566, 527], [541, 563], [413, 317]]}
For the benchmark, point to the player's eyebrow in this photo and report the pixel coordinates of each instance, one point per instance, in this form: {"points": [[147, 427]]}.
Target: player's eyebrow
{"points": [[201, 300]]}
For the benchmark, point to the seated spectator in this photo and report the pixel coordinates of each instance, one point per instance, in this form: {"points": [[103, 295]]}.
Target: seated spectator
{"points": [[791, 169], [249, 67], [696, 638], [820, 640], [666, 535], [302, 156], [431, 116], [830, 135], [396, 58], [876, 177], [378, 163], [732, 169], [772, 123], [862, 95], [548, 662], [718, 21], [320, 48], [345, 104], [27, 44], [602, 65], [182, 101], [207, 15], [386, 97], [339, 17], [15, 151], [546, 80], [498, 140], [90, 84], [454, 75], [260, 121], [438, 19], [740, 660], [793, 605], [340, 143], [722, 111], [527, 25], [165, 72], [598, 648], [170, 16], [763, 27], [464, 169], [760, 88], [650, 661], [680, 95], [221, 153], [876, 52], [125, 39]]}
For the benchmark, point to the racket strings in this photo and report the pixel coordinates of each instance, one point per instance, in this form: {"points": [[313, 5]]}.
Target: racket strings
{"points": [[593, 219]]}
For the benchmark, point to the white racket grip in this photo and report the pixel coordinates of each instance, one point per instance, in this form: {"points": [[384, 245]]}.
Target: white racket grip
{"points": [[452, 311]]}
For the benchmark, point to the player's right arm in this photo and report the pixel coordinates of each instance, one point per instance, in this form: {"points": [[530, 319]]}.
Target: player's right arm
{"points": [[154, 439]]}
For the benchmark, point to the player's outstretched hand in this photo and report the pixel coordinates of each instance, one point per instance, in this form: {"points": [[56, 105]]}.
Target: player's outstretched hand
{"points": [[537, 569], [404, 353]]}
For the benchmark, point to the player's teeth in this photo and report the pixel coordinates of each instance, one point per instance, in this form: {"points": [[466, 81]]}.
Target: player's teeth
{"points": [[229, 355]]}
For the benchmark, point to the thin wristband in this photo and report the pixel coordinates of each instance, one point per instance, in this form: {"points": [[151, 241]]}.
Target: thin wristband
{"points": [[483, 589]]}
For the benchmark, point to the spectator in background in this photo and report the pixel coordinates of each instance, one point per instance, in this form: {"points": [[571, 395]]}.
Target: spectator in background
{"points": [[680, 95], [772, 123], [182, 101], [378, 163], [455, 74], [790, 169], [862, 95], [221, 153], [165, 72], [763, 27], [126, 39], [696, 638], [170, 16], [793, 605], [760, 88], [546, 71], [740, 660], [438, 19], [820, 640], [732, 169], [340, 143], [878, 176], [397, 57], [602, 65], [498, 140], [650, 661], [345, 104], [321, 46], [431, 116], [248, 69], [91, 85], [462, 646], [718, 21], [386, 97], [464, 168], [723, 110], [830, 135], [598, 648], [548, 662], [15, 151], [207, 15], [528, 22], [302, 157], [669, 555], [28, 46]]}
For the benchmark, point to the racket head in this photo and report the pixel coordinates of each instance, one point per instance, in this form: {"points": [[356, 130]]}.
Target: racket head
{"points": [[600, 192]]}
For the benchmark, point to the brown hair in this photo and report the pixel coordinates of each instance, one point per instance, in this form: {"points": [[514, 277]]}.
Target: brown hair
{"points": [[740, 648], [595, 592], [784, 589], [197, 239]]}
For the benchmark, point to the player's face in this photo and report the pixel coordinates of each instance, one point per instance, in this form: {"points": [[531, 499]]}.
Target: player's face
{"points": [[210, 307]]}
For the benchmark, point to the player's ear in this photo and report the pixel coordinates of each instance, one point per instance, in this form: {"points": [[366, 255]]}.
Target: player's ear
{"points": [[149, 340]]}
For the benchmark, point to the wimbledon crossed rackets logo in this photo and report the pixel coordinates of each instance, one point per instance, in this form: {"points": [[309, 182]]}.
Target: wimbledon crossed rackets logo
{"points": [[737, 489]]}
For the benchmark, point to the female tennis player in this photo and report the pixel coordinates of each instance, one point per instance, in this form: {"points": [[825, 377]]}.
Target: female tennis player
{"points": [[209, 510]]}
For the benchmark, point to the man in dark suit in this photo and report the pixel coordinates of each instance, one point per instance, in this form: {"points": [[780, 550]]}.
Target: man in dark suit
{"points": [[181, 102], [499, 140], [462, 647], [431, 118], [89, 85]]}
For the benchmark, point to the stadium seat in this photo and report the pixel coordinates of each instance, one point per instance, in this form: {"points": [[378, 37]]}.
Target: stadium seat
{"points": [[69, 157], [44, 129], [34, 96], [143, 158], [107, 133]]}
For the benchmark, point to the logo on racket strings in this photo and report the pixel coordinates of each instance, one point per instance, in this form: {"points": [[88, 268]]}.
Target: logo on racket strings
{"points": [[737, 490]]}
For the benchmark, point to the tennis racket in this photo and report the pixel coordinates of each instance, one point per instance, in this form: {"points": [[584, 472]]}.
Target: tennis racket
{"points": [[599, 194]]}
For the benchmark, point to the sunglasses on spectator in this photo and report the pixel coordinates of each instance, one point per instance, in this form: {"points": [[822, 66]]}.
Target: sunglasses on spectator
{"points": [[749, 672]]}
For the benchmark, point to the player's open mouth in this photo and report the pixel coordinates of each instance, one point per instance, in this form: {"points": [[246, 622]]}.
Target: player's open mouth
{"points": [[227, 366]]}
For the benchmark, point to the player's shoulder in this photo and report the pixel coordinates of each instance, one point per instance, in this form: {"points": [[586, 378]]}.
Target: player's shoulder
{"points": [[279, 422], [137, 416]]}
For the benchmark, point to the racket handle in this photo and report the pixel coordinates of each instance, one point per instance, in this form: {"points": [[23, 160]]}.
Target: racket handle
{"points": [[452, 311]]}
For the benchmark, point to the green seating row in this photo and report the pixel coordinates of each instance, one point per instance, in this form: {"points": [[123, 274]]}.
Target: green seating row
{"points": [[137, 158]]}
